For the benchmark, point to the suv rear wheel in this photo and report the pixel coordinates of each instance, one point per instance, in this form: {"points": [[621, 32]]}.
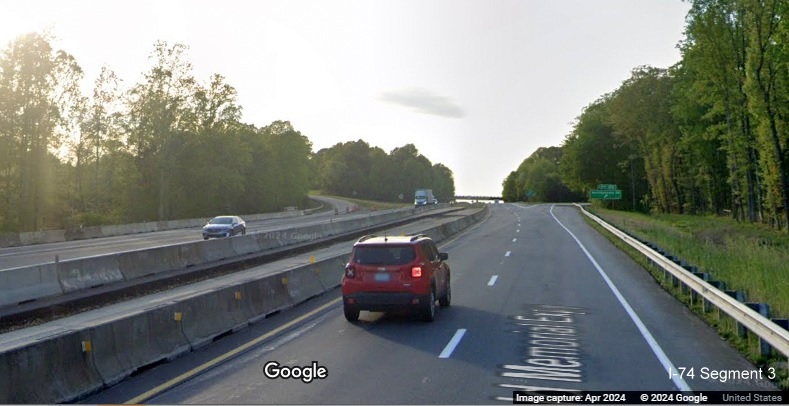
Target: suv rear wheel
{"points": [[429, 311], [351, 314], [446, 298]]}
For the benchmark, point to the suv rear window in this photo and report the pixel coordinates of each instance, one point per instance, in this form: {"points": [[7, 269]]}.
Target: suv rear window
{"points": [[378, 255]]}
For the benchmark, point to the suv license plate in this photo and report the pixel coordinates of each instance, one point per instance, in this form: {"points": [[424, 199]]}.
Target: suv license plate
{"points": [[382, 277]]}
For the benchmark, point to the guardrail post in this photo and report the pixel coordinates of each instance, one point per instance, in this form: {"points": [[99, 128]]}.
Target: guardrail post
{"points": [[765, 348], [720, 285], [782, 322], [739, 296], [694, 296]]}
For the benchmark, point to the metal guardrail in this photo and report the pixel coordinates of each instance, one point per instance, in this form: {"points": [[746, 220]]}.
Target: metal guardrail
{"points": [[764, 328]]}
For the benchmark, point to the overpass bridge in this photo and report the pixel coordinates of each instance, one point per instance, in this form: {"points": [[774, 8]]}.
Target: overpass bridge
{"points": [[468, 197]]}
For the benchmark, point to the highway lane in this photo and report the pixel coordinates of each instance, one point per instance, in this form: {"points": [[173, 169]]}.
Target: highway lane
{"points": [[14, 257], [535, 305]]}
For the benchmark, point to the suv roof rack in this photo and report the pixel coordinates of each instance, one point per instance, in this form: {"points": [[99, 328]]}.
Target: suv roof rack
{"points": [[366, 237], [415, 237]]}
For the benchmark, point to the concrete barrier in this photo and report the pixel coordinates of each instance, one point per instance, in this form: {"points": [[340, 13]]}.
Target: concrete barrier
{"points": [[136, 264], [51, 236], [216, 249], [86, 273], [206, 316], [123, 346], [10, 240], [33, 237], [330, 271], [100, 270], [245, 244], [111, 230], [29, 283], [52, 369], [114, 349], [302, 283], [92, 232], [265, 296], [190, 254]]}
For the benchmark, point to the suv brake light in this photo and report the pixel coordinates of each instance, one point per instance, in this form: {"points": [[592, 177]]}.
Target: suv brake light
{"points": [[416, 272], [350, 271]]}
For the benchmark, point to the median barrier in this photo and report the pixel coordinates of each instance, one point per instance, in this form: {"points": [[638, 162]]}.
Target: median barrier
{"points": [[92, 232], [32, 237], [29, 283], [115, 348], [266, 241], [302, 283], [86, 273], [10, 240], [190, 254], [51, 236], [100, 270], [329, 271], [216, 249], [127, 344], [264, 296], [245, 244], [205, 316], [70, 235], [140, 263], [111, 230], [52, 369]]}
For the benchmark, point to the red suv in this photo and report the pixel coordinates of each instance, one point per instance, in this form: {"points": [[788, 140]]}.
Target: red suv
{"points": [[390, 273]]}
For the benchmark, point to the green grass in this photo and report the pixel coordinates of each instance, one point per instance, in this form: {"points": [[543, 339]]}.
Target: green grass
{"points": [[747, 257]]}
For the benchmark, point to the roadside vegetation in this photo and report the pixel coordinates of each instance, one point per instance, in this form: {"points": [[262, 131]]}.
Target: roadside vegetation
{"points": [[750, 258], [169, 146], [357, 170], [708, 135], [747, 257]]}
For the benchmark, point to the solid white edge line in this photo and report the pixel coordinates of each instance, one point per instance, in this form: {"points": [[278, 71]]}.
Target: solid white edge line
{"points": [[662, 357], [492, 280], [452, 343]]}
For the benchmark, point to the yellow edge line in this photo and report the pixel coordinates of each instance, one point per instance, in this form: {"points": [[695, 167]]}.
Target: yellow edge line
{"points": [[224, 357]]}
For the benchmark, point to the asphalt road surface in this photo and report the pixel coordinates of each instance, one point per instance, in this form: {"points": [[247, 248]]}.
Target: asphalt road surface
{"points": [[14, 257], [540, 301]]}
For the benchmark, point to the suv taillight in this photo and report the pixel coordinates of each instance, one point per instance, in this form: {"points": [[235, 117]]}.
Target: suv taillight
{"points": [[350, 271], [416, 272]]}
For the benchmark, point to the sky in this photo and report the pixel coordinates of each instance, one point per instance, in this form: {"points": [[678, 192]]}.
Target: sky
{"points": [[477, 85]]}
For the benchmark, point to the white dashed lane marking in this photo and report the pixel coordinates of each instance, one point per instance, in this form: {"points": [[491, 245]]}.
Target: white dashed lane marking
{"points": [[493, 280], [452, 343]]}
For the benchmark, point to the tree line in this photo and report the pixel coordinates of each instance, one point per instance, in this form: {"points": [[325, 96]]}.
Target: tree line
{"points": [[357, 169], [706, 135], [167, 147]]}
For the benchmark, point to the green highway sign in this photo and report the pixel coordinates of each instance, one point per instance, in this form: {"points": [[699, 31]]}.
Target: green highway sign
{"points": [[605, 186], [607, 194]]}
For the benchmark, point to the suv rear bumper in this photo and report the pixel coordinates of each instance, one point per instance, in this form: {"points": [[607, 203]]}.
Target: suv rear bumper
{"points": [[384, 301]]}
